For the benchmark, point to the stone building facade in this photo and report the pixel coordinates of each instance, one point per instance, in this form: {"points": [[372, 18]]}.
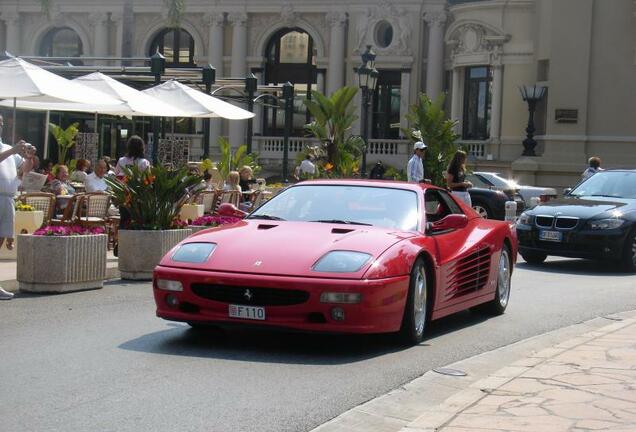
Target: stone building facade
{"points": [[479, 52]]}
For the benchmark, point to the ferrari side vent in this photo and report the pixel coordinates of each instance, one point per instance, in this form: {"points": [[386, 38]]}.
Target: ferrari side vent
{"points": [[266, 226], [470, 273], [341, 230]]}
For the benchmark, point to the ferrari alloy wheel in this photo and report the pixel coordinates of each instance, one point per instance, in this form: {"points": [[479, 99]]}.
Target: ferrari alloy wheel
{"points": [[416, 309], [629, 253], [497, 306]]}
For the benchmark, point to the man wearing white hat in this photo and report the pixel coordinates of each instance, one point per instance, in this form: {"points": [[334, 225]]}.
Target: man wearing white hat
{"points": [[415, 167]]}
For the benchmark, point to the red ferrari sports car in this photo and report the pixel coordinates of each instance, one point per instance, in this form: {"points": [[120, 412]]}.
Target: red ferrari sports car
{"points": [[350, 256]]}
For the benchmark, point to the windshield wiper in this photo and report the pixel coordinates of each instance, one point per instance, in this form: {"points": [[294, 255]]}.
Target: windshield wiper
{"points": [[266, 216], [340, 221]]}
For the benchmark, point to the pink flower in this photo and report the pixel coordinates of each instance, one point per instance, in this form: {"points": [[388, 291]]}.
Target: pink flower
{"points": [[66, 230]]}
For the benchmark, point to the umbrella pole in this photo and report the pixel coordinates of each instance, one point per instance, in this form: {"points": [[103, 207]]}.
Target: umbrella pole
{"points": [[15, 108], [45, 151]]}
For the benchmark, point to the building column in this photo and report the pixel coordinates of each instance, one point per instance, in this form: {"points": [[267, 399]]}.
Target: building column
{"points": [[99, 22], [456, 101], [12, 25], [118, 19], [335, 78], [238, 67], [215, 58], [495, 108], [435, 61], [405, 91]]}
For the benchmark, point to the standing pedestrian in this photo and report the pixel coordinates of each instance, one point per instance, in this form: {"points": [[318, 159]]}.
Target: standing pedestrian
{"points": [[456, 177], [415, 167], [594, 166], [14, 161]]}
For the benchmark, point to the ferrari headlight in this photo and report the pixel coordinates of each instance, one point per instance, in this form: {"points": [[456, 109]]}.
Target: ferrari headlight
{"points": [[169, 285], [525, 219], [194, 252], [341, 262], [604, 224]]}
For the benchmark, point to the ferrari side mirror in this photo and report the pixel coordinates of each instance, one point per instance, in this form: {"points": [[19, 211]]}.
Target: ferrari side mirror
{"points": [[450, 222]]}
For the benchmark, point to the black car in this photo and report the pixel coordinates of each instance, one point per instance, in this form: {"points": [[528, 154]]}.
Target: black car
{"points": [[491, 203], [597, 219]]}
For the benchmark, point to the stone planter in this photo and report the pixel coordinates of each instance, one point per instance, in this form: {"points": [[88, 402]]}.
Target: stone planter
{"points": [[61, 264], [139, 251]]}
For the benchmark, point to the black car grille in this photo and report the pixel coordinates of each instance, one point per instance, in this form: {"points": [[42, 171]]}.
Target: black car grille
{"points": [[250, 295], [566, 222], [544, 221]]}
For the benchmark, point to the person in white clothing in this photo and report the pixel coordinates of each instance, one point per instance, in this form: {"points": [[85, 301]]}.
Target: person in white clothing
{"points": [[134, 156], [14, 161], [594, 166], [307, 166], [415, 167], [95, 180]]}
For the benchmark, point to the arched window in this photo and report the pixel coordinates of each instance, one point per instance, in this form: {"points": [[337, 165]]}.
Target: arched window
{"points": [[176, 45], [62, 42], [290, 57]]}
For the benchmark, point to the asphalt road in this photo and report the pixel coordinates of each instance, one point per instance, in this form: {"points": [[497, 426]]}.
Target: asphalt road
{"points": [[101, 361]]}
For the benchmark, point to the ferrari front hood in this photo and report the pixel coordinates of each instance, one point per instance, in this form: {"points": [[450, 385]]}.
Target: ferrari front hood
{"points": [[287, 248]]}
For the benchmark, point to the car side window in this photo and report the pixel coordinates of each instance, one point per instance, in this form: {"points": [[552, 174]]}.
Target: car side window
{"points": [[478, 181], [438, 204]]}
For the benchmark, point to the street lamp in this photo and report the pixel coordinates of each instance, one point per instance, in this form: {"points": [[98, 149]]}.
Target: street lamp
{"points": [[208, 76], [288, 99], [367, 79], [531, 94], [157, 67], [251, 84]]}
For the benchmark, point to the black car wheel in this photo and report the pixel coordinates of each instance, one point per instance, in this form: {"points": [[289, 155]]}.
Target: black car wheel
{"points": [[483, 209], [534, 258], [416, 310], [628, 262]]}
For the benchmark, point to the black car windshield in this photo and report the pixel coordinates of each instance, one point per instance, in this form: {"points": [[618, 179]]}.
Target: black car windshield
{"points": [[354, 205], [614, 184]]}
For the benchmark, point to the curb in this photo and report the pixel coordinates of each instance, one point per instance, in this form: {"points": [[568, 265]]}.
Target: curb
{"points": [[432, 400], [11, 285]]}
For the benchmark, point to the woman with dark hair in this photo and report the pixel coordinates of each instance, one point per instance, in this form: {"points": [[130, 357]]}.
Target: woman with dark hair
{"points": [[80, 174], [134, 156], [456, 177]]}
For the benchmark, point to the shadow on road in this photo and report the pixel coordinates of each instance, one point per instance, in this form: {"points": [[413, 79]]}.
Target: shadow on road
{"points": [[581, 267], [278, 346]]}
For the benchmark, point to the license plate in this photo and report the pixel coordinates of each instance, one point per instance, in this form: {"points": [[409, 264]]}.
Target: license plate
{"points": [[554, 236], [247, 312]]}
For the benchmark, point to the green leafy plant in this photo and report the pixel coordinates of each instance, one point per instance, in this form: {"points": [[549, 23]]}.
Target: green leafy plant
{"points": [[430, 124], [333, 119], [393, 173], [65, 139], [206, 165], [153, 197], [232, 161], [176, 10]]}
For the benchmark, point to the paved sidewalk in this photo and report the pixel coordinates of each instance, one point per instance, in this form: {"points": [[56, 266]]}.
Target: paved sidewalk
{"points": [[575, 379], [587, 383]]}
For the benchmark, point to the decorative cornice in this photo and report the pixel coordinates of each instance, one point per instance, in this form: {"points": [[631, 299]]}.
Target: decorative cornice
{"points": [[214, 19], [336, 19], [237, 18]]}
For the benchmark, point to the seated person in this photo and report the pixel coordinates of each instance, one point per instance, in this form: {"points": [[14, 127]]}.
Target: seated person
{"points": [[232, 182], [46, 168], [246, 180], [79, 175], [377, 172], [95, 180], [60, 185], [306, 168]]}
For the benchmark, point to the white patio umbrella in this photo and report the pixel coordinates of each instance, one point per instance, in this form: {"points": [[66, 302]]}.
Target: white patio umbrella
{"points": [[20, 80], [134, 102], [194, 101]]}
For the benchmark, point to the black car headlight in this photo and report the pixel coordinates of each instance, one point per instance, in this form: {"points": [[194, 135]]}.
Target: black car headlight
{"points": [[341, 262], [194, 252], [525, 219], [605, 224]]}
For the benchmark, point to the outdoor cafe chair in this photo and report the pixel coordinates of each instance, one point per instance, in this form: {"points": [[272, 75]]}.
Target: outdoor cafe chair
{"points": [[94, 209], [232, 197], [43, 201], [70, 213], [208, 199]]}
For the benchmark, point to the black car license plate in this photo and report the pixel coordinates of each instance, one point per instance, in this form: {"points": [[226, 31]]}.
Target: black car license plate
{"points": [[553, 236]]}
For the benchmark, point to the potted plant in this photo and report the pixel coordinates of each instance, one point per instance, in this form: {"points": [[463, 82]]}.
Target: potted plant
{"points": [[152, 199], [61, 259], [27, 218], [205, 222]]}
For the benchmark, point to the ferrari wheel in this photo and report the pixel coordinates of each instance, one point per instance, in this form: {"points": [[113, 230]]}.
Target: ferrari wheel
{"points": [[416, 310], [497, 306], [629, 253]]}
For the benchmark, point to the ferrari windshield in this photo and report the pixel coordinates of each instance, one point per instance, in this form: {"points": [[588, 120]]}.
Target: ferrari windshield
{"points": [[614, 184], [354, 205]]}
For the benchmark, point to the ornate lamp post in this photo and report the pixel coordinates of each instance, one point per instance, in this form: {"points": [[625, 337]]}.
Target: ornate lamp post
{"points": [[251, 84], [367, 80], [208, 76], [157, 67], [531, 94]]}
